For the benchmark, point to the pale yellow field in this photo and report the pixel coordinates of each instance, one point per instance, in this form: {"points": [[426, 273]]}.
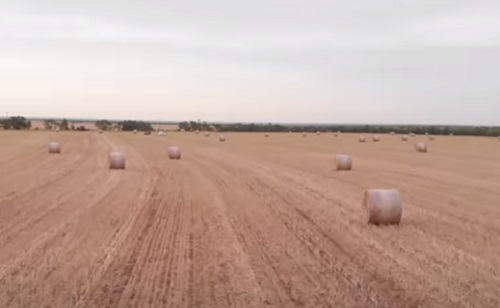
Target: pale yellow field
{"points": [[252, 222]]}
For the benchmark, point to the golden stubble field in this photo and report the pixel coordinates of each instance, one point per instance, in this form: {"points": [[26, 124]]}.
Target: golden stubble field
{"points": [[252, 222]]}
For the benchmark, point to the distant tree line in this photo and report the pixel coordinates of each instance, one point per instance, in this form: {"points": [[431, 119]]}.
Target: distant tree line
{"points": [[398, 129], [16, 123]]}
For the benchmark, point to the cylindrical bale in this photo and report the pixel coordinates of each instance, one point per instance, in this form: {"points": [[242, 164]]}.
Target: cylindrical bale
{"points": [[421, 147], [412, 135], [116, 160], [174, 152], [197, 132], [135, 131], [361, 139], [383, 206], [54, 148], [376, 138], [393, 133], [161, 133], [100, 131], [335, 134], [207, 134], [344, 162], [222, 138], [318, 133], [404, 138], [304, 135], [266, 135], [431, 138]]}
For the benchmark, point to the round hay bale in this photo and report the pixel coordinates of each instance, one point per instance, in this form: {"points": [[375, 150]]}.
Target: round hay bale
{"points": [[161, 133], [421, 147], [344, 162], [451, 134], [174, 152], [117, 160], [222, 138], [431, 138], [135, 131], [100, 131], [412, 135], [362, 139], [383, 206], [335, 134], [498, 137], [404, 138], [207, 134], [54, 148], [376, 138], [393, 133], [197, 132], [318, 133], [266, 135]]}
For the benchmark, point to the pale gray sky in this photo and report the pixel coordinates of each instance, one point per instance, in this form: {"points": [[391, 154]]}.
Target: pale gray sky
{"points": [[365, 61]]}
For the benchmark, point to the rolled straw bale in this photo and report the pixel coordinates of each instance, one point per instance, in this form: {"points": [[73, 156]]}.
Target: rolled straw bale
{"points": [[318, 133], [161, 133], [393, 133], [304, 135], [207, 134], [222, 138], [404, 138], [174, 152], [361, 139], [412, 135], [344, 162], [135, 131], [54, 148], [266, 135], [116, 160], [383, 206], [197, 132], [421, 147], [376, 139], [100, 131], [431, 137], [335, 134]]}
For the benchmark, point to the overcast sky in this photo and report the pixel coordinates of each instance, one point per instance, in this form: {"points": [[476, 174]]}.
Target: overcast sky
{"points": [[328, 61]]}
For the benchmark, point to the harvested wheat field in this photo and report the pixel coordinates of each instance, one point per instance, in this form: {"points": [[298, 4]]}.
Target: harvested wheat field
{"points": [[253, 222]]}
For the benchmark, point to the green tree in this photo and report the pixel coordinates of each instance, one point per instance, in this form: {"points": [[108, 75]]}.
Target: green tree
{"points": [[103, 124]]}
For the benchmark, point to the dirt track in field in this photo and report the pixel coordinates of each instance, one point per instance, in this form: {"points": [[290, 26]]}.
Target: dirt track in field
{"points": [[252, 222]]}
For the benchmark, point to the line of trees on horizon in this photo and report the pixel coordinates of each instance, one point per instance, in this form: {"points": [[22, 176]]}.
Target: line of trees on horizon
{"points": [[348, 128]]}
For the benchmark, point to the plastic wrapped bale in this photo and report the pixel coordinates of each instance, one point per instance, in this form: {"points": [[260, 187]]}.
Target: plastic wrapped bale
{"points": [[376, 138], [116, 160], [383, 206], [344, 162], [421, 147], [222, 138], [318, 133], [54, 148], [362, 139], [174, 152], [161, 133], [135, 131]]}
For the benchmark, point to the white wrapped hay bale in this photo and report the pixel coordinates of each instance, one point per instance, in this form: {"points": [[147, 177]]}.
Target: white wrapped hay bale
{"points": [[361, 139], [222, 138], [54, 148], [161, 133], [116, 160], [344, 162], [393, 133], [421, 147], [174, 152], [376, 138], [135, 131], [318, 133], [383, 206]]}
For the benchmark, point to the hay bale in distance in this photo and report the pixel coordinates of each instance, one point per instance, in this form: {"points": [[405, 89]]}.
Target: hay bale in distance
{"points": [[392, 133], [344, 162], [117, 160], [197, 132], [421, 147], [361, 139], [304, 135], [318, 133], [207, 134], [174, 152], [222, 138], [161, 133], [266, 135], [54, 148], [135, 131], [431, 138], [404, 138], [100, 131], [412, 135], [376, 138], [383, 206]]}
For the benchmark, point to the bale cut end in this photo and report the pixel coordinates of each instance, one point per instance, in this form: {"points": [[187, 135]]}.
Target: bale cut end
{"points": [[54, 148]]}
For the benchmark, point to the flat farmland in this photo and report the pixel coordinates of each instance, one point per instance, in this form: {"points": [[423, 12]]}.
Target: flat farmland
{"points": [[252, 222]]}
